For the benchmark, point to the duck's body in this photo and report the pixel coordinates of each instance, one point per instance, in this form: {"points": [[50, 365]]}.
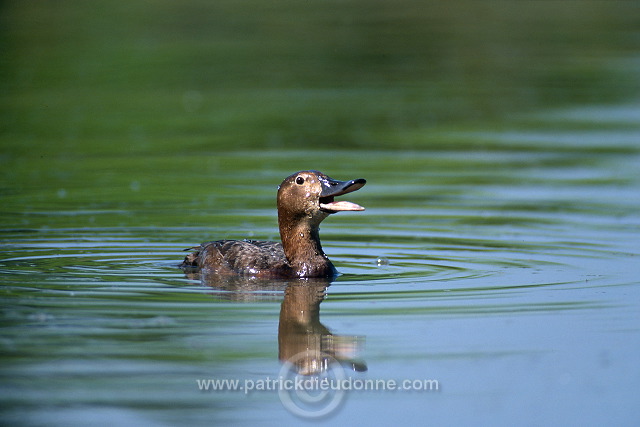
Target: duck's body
{"points": [[304, 200], [244, 257]]}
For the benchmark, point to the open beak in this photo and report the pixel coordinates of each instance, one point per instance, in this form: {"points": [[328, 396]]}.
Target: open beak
{"points": [[332, 188]]}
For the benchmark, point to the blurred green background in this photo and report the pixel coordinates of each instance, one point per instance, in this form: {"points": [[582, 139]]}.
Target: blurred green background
{"points": [[158, 77], [140, 105]]}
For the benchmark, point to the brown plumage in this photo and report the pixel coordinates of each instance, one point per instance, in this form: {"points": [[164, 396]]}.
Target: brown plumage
{"points": [[304, 200]]}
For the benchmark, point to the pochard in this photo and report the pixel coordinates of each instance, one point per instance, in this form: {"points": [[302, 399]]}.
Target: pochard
{"points": [[305, 199]]}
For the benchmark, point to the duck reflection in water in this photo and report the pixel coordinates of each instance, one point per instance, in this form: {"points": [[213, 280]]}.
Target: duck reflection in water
{"points": [[302, 339], [306, 342]]}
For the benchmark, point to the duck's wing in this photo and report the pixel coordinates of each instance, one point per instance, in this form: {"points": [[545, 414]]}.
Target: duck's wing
{"points": [[246, 257]]}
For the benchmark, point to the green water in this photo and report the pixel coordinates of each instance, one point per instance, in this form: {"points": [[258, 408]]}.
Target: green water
{"points": [[498, 253]]}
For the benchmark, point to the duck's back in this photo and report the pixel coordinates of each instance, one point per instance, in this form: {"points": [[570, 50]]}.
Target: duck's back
{"points": [[246, 257]]}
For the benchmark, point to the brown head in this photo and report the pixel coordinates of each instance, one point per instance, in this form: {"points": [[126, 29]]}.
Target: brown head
{"points": [[304, 200], [309, 196]]}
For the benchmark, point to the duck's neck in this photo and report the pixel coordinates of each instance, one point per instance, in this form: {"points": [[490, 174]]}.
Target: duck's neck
{"points": [[301, 244]]}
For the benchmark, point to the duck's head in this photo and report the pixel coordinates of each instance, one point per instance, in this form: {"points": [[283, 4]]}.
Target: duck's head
{"points": [[311, 194]]}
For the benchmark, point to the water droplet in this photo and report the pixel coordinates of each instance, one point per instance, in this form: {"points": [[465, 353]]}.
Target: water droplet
{"points": [[382, 261], [301, 234]]}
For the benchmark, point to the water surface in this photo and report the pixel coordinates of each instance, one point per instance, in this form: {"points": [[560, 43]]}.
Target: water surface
{"points": [[498, 253]]}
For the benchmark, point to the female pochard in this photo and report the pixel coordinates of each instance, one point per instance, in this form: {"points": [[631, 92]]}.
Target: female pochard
{"points": [[304, 200]]}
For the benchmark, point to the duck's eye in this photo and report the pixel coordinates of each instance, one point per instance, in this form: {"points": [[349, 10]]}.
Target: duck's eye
{"points": [[299, 180]]}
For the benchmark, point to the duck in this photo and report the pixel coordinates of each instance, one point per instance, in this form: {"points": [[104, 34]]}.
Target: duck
{"points": [[304, 200]]}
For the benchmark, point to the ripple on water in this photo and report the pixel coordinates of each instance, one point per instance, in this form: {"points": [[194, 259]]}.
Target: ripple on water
{"points": [[412, 254], [500, 219]]}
